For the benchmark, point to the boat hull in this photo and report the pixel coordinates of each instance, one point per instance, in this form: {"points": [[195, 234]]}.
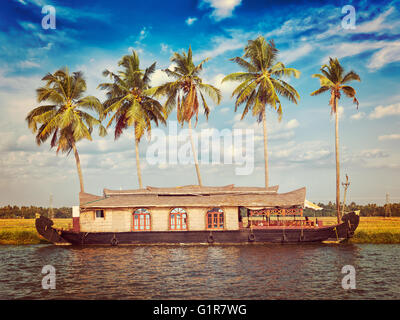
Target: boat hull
{"points": [[337, 232]]}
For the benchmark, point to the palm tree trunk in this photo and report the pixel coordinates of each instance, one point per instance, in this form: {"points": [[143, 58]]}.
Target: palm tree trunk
{"points": [[265, 148], [78, 166], [139, 173], [194, 153], [337, 161]]}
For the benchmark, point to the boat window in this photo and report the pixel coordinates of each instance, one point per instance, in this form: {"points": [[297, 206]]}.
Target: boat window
{"points": [[215, 219], [178, 219], [141, 220], [99, 213]]}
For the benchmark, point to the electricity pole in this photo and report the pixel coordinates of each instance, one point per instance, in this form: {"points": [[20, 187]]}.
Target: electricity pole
{"points": [[345, 185], [51, 211], [388, 212]]}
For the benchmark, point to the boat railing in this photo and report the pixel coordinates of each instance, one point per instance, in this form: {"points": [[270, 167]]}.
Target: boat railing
{"points": [[281, 223]]}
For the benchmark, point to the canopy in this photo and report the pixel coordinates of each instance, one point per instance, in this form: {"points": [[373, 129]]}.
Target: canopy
{"points": [[310, 205]]}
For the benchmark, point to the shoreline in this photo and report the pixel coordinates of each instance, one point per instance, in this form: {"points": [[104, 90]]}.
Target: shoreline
{"points": [[360, 238]]}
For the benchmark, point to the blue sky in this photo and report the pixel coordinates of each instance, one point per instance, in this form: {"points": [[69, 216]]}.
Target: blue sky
{"points": [[93, 35]]}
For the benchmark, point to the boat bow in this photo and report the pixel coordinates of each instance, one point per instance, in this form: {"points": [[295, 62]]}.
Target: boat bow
{"points": [[44, 227]]}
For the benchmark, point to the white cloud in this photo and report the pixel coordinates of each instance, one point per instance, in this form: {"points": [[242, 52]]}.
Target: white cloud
{"points": [[281, 135], [347, 49], [189, 21], [221, 44], [340, 112], [376, 25], [21, 87], [292, 124], [308, 151], [39, 3], [226, 87], [28, 64], [389, 137], [295, 54], [92, 71], [332, 30], [381, 111], [292, 26], [373, 153], [358, 116], [382, 165], [164, 47], [69, 13], [143, 34], [137, 49], [221, 8], [388, 54], [283, 130], [29, 26], [159, 77]]}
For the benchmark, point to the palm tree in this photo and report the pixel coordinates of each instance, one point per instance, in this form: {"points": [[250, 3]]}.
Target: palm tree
{"points": [[262, 84], [334, 79], [64, 117], [129, 101], [183, 93]]}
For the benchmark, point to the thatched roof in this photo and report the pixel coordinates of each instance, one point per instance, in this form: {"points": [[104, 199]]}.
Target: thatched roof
{"points": [[194, 196], [191, 190], [87, 197]]}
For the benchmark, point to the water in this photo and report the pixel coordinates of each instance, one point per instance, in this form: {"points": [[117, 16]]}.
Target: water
{"points": [[201, 272]]}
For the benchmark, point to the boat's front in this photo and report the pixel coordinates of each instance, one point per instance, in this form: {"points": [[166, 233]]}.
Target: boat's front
{"points": [[44, 227]]}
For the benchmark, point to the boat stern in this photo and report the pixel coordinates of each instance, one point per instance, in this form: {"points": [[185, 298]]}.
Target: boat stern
{"points": [[351, 220]]}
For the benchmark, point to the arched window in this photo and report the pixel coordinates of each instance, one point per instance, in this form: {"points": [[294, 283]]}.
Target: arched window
{"points": [[215, 219], [141, 220], [178, 219]]}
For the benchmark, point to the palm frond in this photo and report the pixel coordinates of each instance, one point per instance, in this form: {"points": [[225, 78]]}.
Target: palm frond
{"points": [[213, 92], [320, 90], [238, 76], [323, 80], [245, 64], [350, 76]]}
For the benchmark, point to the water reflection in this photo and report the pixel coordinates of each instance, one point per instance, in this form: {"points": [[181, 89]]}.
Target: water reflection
{"points": [[200, 272]]}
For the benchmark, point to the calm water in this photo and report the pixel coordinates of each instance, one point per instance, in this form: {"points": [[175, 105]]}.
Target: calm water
{"points": [[201, 272]]}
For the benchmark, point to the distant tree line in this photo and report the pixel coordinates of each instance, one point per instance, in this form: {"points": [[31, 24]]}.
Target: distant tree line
{"points": [[13, 212], [369, 210], [329, 210]]}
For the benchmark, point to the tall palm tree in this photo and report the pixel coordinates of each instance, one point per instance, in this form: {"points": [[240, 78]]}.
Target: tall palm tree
{"points": [[184, 91], [129, 101], [262, 84], [64, 118], [334, 79]]}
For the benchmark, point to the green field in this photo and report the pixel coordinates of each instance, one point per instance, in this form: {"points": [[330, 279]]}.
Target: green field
{"points": [[23, 231], [374, 229], [370, 230]]}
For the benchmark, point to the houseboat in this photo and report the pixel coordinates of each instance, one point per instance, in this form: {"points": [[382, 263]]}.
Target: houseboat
{"points": [[194, 215]]}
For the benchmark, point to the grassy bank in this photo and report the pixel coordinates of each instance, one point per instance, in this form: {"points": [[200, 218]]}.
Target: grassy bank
{"points": [[373, 229], [23, 231], [370, 230]]}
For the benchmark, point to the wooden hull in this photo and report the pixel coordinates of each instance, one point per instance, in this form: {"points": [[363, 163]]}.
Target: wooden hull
{"points": [[267, 235]]}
